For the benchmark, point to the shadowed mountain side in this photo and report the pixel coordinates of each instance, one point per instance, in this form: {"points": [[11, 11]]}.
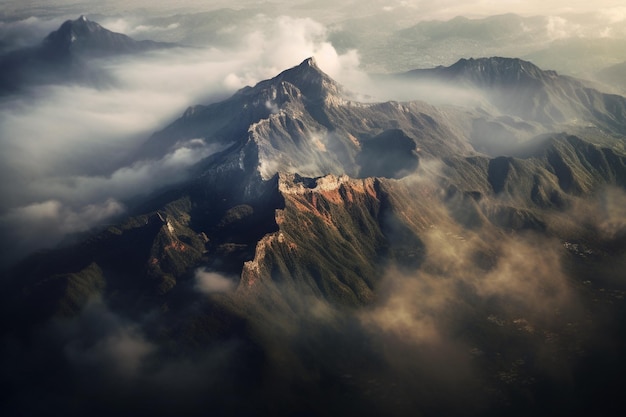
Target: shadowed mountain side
{"points": [[545, 170], [392, 154]]}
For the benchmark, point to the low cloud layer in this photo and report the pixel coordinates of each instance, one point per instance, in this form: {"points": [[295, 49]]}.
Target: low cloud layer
{"points": [[23, 33], [212, 282]]}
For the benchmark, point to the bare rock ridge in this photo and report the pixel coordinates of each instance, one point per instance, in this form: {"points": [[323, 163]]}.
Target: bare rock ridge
{"points": [[85, 37]]}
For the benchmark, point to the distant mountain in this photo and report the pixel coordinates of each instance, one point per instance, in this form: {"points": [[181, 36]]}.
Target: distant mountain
{"points": [[519, 88], [614, 76], [86, 38], [314, 208], [555, 42], [64, 54]]}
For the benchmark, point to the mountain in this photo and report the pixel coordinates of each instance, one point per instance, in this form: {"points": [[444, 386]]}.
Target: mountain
{"points": [[614, 76], [84, 37], [336, 256], [555, 42], [64, 54], [520, 89], [302, 121]]}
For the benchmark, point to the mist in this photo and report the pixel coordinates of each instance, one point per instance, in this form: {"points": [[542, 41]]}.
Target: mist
{"points": [[76, 165], [479, 320]]}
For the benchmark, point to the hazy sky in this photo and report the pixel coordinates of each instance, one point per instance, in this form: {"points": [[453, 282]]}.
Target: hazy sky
{"points": [[428, 9]]}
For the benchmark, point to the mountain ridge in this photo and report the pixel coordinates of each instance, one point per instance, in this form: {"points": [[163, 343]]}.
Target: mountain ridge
{"points": [[519, 88], [327, 236], [85, 37]]}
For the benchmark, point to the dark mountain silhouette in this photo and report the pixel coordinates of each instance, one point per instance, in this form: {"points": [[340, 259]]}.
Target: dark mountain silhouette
{"points": [[85, 37], [64, 55]]}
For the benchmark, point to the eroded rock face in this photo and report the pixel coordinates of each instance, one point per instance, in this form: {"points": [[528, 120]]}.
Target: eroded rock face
{"points": [[328, 240]]}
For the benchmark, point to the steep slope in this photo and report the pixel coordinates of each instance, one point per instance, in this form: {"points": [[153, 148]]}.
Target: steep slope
{"points": [[302, 121], [87, 38]]}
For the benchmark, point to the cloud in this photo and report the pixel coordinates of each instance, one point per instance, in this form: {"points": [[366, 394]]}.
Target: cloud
{"points": [[560, 28], [614, 14], [133, 27], [71, 147], [212, 282], [101, 362], [603, 216], [74, 204], [117, 348], [44, 224], [448, 9], [526, 280], [277, 43], [26, 32]]}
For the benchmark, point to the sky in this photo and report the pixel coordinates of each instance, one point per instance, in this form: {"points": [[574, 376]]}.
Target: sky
{"points": [[427, 9]]}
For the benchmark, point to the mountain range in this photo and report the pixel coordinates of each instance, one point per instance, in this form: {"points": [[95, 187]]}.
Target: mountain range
{"points": [[555, 42], [64, 56], [335, 256]]}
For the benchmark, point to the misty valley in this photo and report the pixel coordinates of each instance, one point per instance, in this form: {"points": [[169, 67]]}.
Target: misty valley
{"points": [[291, 210]]}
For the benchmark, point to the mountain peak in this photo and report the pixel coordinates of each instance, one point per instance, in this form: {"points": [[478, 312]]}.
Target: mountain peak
{"points": [[493, 72], [73, 32], [308, 67], [498, 69], [85, 36], [314, 83], [309, 62], [495, 62], [79, 27]]}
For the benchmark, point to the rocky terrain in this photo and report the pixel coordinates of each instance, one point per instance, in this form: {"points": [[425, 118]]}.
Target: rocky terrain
{"points": [[341, 257]]}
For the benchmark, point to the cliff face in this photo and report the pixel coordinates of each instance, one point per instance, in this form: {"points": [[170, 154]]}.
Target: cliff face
{"points": [[329, 240]]}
